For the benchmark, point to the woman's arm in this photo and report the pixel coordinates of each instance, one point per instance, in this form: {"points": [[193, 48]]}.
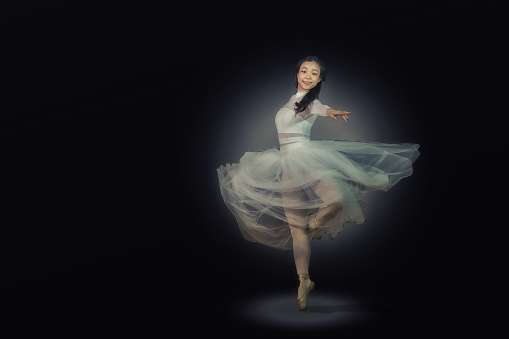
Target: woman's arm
{"points": [[318, 108], [332, 114]]}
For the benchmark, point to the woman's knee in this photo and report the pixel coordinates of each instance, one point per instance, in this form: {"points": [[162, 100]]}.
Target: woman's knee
{"points": [[298, 231]]}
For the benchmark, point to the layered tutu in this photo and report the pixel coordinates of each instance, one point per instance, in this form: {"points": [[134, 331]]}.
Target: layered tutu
{"points": [[271, 190]]}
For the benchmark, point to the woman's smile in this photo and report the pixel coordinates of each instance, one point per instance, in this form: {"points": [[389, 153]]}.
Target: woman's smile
{"points": [[308, 76]]}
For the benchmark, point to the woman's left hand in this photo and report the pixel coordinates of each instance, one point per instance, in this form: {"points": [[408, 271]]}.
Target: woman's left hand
{"points": [[332, 113]]}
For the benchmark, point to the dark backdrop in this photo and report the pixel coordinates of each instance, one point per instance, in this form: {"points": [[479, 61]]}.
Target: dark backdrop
{"points": [[115, 117]]}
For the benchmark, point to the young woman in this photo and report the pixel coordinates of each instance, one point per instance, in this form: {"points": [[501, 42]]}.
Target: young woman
{"points": [[285, 197]]}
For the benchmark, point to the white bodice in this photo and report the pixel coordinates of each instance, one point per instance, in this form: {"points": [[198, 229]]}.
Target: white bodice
{"points": [[293, 127]]}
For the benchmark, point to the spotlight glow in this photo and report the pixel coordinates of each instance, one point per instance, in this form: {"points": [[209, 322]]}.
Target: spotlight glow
{"points": [[280, 310]]}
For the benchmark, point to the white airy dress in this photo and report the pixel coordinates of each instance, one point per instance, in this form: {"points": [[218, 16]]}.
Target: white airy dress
{"points": [[270, 190]]}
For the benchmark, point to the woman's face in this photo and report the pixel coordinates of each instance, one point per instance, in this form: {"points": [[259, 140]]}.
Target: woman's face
{"points": [[308, 76]]}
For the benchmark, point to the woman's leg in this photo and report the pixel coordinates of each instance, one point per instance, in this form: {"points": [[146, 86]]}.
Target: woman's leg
{"points": [[297, 219], [301, 249], [331, 196], [301, 254]]}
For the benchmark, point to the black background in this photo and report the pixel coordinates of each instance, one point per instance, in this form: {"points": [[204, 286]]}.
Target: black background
{"points": [[110, 112]]}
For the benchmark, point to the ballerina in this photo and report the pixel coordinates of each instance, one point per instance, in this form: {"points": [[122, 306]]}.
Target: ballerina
{"points": [[306, 189]]}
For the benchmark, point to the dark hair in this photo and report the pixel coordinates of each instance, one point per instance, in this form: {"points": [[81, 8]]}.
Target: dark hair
{"points": [[314, 93]]}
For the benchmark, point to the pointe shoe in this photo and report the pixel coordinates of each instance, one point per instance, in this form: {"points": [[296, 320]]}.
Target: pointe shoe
{"points": [[302, 302], [330, 212], [313, 225]]}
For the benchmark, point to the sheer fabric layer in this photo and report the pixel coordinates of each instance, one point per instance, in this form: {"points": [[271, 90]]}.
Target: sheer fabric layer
{"points": [[269, 191]]}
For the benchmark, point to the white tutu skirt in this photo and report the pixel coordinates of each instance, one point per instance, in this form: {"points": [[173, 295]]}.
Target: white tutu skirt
{"points": [[270, 191]]}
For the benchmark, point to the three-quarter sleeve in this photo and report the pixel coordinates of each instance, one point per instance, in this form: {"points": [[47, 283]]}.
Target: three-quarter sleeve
{"points": [[316, 107]]}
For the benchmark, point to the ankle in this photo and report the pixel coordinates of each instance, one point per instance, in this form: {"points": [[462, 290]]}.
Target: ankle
{"points": [[304, 279], [303, 276]]}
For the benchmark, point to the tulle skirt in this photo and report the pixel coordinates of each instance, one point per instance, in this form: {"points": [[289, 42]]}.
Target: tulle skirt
{"points": [[270, 191]]}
